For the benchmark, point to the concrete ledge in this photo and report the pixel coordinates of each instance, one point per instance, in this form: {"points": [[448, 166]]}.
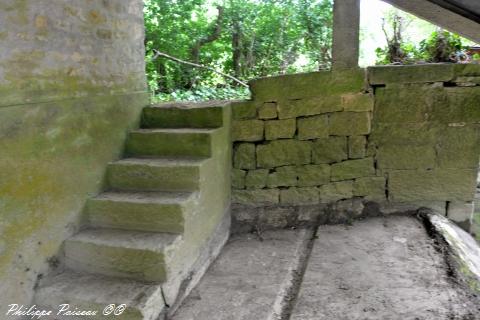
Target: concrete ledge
{"points": [[464, 251]]}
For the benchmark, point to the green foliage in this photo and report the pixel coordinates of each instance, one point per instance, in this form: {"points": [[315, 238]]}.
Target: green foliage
{"points": [[440, 46], [256, 39]]}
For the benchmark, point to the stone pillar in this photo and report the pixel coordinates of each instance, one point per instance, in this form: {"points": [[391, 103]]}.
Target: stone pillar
{"points": [[346, 32]]}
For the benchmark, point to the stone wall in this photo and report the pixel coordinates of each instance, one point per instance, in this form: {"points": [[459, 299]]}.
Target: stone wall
{"points": [[72, 83], [339, 145]]}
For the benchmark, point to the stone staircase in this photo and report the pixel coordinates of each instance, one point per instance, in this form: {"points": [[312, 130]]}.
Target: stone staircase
{"points": [[164, 217]]}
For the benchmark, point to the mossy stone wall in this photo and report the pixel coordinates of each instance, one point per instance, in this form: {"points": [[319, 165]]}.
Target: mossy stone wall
{"points": [[338, 145], [72, 83]]}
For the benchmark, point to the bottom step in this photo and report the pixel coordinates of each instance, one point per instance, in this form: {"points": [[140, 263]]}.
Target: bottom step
{"points": [[96, 293]]}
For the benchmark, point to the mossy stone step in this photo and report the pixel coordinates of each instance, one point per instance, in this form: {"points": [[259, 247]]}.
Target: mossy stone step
{"points": [[155, 174], [95, 292], [141, 211], [171, 142], [184, 115], [140, 256]]}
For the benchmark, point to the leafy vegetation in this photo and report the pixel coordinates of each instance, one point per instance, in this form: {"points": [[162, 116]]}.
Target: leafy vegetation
{"points": [[242, 38], [440, 46]]}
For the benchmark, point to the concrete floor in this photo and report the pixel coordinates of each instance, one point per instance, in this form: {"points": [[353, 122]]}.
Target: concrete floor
{"points": [[379, 268]]}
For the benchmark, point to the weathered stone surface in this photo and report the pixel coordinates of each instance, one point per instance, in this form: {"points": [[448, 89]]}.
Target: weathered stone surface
{"points": [[461, 212], [313, 175], [280, 129], [352, 169], [348, 209], [256, 179], [426, 73], [308, 195], [458, 147], [313, 127], [406, 157], [247, 130], [402, 207], [405, 134], [432, 185], [349, 123], [309, 106], [268, 110], [283, 152], [336, 191], [283, 177], [329, 150], [303, 85], [357, 102], [256, 197], [238, 178], [276, 217], [460, 106], [357, 147], [372, 188], [408, 103], [244, 156], [242, 110]]}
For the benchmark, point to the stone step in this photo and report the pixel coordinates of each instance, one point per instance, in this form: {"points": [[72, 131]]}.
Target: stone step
{"points": [[134, 255], [95, 293], [184, 115], [155, 174], [141, 211], [184, 142]]}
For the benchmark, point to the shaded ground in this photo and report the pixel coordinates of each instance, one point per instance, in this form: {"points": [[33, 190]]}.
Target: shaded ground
{"points": [[384, 268], [380, 268]]}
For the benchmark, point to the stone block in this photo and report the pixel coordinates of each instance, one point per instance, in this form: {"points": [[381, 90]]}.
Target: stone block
{"points": [[458, 147], [247, 130], [357, 102], [432, 185], [352, 169], [280, 129], [309, 106], [405, 134], [244, 156], [349, 123], [329, 150], [336, 191], [425, 73], [267, 110], [313, 175], [372, 188], [256, 197], [408, 103], [283, 152], [461, 212], [283, 177], [308, 85], [406, 157], [459, 106], [313, 127], [238, 178], [299, 196], [357, 147], [242, 110], [256, 179]]}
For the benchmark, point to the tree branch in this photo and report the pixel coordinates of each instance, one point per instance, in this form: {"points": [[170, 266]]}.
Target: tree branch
{"points": [[164, 55]]}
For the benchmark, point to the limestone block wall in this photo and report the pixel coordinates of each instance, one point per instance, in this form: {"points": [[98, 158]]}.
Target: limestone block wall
{"points": [[338, 145], [72, 83]]}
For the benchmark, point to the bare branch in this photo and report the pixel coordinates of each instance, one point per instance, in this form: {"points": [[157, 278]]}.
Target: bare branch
{"points": [[164, 55]]}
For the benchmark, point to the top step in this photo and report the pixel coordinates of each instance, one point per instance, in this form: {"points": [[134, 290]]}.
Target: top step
{"points": [[208, 114]]}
